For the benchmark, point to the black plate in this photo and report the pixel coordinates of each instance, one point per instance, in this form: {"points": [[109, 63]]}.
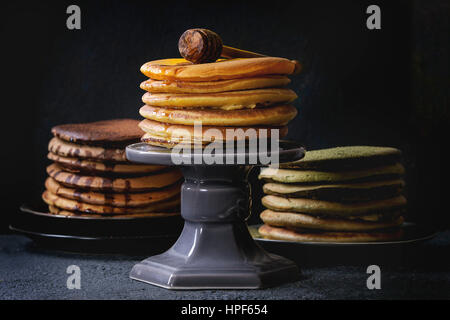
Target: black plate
{"points": [[403, 251], [79, 234]]}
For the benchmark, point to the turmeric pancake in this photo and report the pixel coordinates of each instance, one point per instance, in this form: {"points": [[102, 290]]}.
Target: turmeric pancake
{"points": [[61, 212], [80, 165], [133, 184], [340, 192], [343, 158], [300, 220], [166, 86], [244, 99], [115, 133], [276, 233], [333, 209], [73, 205], [183, 70], [273, 116], [311, 176], [140, 199], [69, 149], [178, 132]]}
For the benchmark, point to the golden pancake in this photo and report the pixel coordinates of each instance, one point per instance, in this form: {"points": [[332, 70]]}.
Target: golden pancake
{"points": [[345, 158], [157, 86], [310, 176], [68, 149], [299, 220], [183, 70], [117, 132], [73, 205], [245, 99], [328, 208], [140, 199], [271, 116], [207, 133], [66, 213], [276, 233], [119, 184], [77, 165], [340, 192]]}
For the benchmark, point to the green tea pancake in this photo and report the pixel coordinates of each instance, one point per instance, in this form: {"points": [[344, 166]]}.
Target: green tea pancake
{"points": [[119, 184], [328, 208], [277, 233], [73, 205], [271, 116], [80, 165], [183, 70], [140, 199], [233, 100], [300, 220], [339, 192], [167, 86], [72, 150], [345, 158], [324, 177], [61, 212], [109, 133]]}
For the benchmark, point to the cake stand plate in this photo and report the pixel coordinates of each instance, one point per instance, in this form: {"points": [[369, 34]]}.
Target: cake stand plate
{"points": [[215, 249]]}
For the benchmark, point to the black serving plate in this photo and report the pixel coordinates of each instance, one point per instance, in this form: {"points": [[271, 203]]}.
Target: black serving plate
{"points": [[96, 235], [353, 253]]}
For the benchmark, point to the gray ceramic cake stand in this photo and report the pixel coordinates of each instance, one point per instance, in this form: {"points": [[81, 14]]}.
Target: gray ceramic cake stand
{"points": [[215, 249]]}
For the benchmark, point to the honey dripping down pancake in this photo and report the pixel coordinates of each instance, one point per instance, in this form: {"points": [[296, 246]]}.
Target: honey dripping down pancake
{"points": [[272, 116], [244, 99], [167, 86], [183, 70], [119, 184], [140, 199]]}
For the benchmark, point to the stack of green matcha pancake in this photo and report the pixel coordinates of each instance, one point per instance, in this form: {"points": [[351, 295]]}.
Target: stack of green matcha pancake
{"points": [[235, 94], [90, 175], [343, 194]]}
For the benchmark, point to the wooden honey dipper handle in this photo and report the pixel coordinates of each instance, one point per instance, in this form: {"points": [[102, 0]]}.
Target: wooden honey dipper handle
{"points": [[203, 45]]}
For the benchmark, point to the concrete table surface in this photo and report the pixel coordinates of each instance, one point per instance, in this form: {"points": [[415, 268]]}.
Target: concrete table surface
{"points": [[29, 272]]}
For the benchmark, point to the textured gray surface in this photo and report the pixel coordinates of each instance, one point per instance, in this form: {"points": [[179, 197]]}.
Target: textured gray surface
{"points": [[27, 272]]}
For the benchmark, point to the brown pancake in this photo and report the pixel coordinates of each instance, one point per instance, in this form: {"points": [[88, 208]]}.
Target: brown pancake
{"points": [[299, 220], [73, 205], [271, 116], [72, 150], [276, 233], [233, 100], [339, 192], [183, 70], [140, 199], [66, 213], [166, 86], [79, 165], [105, 184], [117, 132], [177, 132], [333, 209]]}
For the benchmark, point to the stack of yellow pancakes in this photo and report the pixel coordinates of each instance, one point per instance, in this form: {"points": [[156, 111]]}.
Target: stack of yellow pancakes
{"points": [[227, 94], [343, 194], [91, 177]]}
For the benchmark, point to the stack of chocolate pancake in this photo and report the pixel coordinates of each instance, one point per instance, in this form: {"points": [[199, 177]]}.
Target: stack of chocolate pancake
{"points": [[227, 94], [343, 194], [90, 175]]}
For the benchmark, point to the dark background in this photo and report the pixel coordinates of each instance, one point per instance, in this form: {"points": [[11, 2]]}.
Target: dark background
{"points": [[385, 87]]}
